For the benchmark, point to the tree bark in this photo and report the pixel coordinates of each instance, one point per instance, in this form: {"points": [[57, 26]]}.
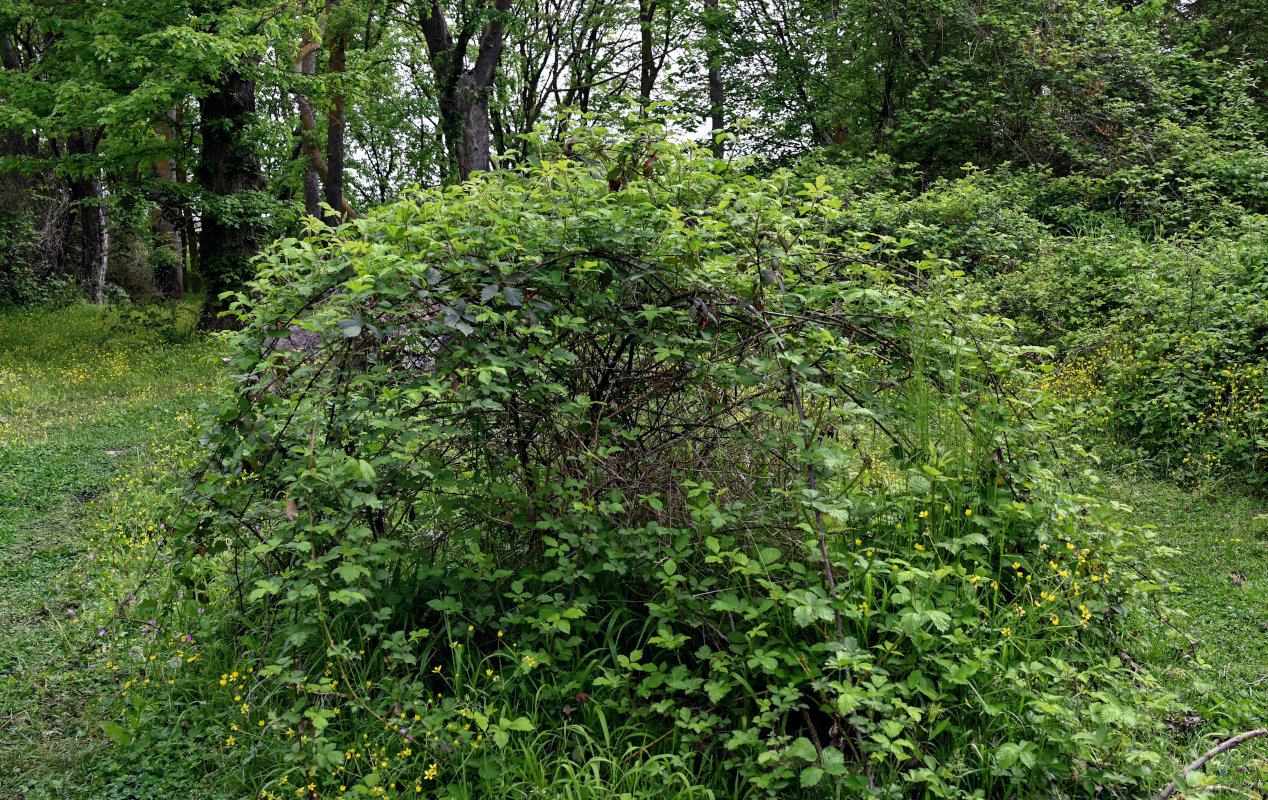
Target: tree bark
{"points": [[88, 197], [647, 66], [316, 171], [229, 168], [306, 65], [717, 92], [464, 93], [335, 124], [170, 280]]}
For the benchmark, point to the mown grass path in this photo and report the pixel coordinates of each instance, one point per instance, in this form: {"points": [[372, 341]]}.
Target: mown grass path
{"points": [[1214, 651], [80, 403]]}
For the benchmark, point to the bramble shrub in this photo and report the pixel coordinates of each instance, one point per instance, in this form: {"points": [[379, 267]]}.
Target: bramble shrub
{"points": [[978, 221], [1164, 343], [638, 481]]}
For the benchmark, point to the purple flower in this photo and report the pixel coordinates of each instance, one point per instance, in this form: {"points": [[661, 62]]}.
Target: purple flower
{"points": [[101, 632], [180, 596]]}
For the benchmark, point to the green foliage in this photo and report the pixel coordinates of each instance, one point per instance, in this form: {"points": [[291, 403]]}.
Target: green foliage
{"points": [[1184, 179], [669, 486], [1163, 343], [980, 221]]}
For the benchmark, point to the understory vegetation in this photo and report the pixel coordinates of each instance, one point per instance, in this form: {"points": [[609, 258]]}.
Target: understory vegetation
{"points": [[714, 486], [646, 399]]}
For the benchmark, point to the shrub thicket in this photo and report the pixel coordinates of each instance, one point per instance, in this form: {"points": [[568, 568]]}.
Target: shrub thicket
{"points": [[1164, 343], [641, 484]]}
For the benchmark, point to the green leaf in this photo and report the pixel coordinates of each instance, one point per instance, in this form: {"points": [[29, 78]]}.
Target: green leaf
{"points": [[117, 733], [522, 724], [351, 328], [810, 776], [804, 749]]}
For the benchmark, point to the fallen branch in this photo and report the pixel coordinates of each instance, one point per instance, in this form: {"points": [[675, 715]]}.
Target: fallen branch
{"points": [[1222, 747]]}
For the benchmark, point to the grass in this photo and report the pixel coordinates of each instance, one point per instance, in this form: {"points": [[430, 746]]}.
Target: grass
{"points": [[81, 403], [1220, 572], [1208, 640]]}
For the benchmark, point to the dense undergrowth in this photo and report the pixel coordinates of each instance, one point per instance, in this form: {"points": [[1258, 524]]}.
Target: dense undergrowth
{"points": [[677, 490], [689, 484], [1156, 318]]}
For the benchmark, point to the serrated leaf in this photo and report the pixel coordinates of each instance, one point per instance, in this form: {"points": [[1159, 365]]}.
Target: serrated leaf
{"points": [[810, 776], [804, 749]]}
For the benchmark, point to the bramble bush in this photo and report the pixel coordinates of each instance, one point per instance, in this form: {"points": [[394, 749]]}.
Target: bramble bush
{"points": [[626, 474], [1160, 340], [1164, 343]]}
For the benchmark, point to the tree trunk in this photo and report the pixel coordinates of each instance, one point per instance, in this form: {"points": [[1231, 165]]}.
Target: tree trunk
{"points": [[88, 197], [647, 62], [229, 168], [169, 278], [306, 65], [464, 94], [312, 191], [335, 119], [717, 92], [316, 170], [475, 147], [193, 273]]}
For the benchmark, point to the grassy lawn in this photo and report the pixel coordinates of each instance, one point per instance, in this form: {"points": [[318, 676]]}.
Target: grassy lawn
{"points": [[1208, 639], [80, 405], [1220, 573]]}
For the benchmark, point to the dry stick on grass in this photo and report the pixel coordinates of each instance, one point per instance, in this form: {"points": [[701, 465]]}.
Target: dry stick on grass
{"points": [[1219, 787], [1227, 744]]}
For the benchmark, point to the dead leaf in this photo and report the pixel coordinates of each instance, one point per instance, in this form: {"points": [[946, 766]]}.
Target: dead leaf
{"points": [[292, 508], [1189, 721], [1237, 577]]}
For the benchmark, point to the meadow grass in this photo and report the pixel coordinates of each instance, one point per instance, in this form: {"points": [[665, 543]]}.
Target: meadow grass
{"points": [[1207, 637], [83, 401], [1208, 641]]}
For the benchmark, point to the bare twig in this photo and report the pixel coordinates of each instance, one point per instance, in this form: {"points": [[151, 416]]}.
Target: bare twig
{"points": [[1224, 746]]}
